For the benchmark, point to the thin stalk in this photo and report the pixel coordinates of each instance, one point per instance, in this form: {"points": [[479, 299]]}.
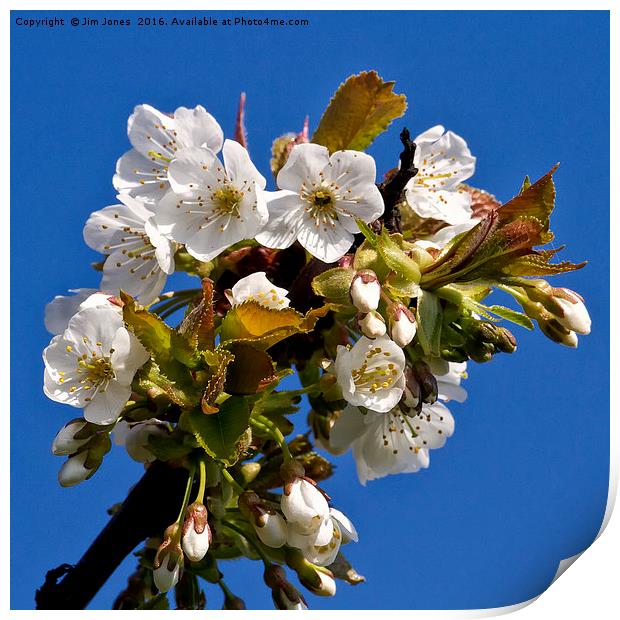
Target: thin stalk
{"points": [[188, 490], [203, 482], [268, 426], [253, 543], [228, 477]]}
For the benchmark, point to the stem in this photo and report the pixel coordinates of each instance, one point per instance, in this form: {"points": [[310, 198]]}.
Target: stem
{"points": [[233, 483], [203, 482], [268, 426], [255, 545], [188, 490]]}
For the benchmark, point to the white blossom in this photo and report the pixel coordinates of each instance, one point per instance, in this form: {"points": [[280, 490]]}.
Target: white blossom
{"points": [[156, 139], [65, 442], [394, 442], [576, 317], [74, 470], [256, 287], [212, 206], [403, 325], [303, 504], [93, 364], [196, 537], [168, 573], [372, 325], [320, 198], [441, 238], [63, 307], [271, 529], [135, 437], [365, 291], [444, 162], [139, 257], [370, 373]]}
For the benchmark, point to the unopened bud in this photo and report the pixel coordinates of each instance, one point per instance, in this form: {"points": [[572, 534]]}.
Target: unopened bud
{"points": [[365, 291], [371, 324], [249, 471], [291, 470], [196, 532], [74, 470], [506, 342], [70, 437], [303, 504], [271, 529], [556, 332], [403, 326], [426, 381], [317, 579], [168, 564], [576, 317], [233, 602], [284, 594]]}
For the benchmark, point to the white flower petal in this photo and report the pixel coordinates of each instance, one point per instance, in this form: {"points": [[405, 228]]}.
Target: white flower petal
{"points": [[328, 241], [285, 220], [193, 168], [145, 178], [107, 404], [239, 166], [196, 127], [303, 166], [63, 307]]}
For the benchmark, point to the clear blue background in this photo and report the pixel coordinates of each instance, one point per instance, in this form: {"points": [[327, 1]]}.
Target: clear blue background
{"points": [[523, 482]]}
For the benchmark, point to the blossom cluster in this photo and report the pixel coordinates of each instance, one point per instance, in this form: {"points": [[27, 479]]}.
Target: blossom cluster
{"points": [[371, 291]]}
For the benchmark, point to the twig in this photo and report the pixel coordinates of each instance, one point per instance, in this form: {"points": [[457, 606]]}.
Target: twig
{"points": [[392, 189]]}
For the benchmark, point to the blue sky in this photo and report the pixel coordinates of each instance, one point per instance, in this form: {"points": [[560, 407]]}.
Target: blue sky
{"points": [[523, 482]]}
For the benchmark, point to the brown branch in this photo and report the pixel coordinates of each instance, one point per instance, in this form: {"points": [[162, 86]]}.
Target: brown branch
{"points": [[151, 505], [392, 189]]}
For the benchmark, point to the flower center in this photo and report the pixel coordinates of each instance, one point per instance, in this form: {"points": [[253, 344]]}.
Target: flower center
{"points": [[227, 199], [322, 199], [97, 369], [376, 376]]}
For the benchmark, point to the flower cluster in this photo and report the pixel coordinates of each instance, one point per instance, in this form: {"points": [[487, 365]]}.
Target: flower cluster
{"points": [[373, 292]]}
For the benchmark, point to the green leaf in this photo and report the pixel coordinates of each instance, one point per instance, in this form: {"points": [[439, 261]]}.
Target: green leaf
{"points": [[218, 361], [250, 371], [334, 284], [223, 435], [362, 108], [263, 327], [198, 326], [512, 315], [165, 371], [429, 319]]}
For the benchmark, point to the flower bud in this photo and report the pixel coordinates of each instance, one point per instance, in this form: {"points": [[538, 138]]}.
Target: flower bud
{"points": [[168, 564], [365, 291], [371, 324], [271, 529], [317, 579], [285, 596], [556, 332], [576, 317], [302, 503], [233, 602], [196, 532], [403, 326], [74, 470], [168, 573], [69, 438], [426, 381]]}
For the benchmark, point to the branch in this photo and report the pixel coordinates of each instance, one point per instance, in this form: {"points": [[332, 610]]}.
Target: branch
{"points": [[151, 505], [392, 189]]}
